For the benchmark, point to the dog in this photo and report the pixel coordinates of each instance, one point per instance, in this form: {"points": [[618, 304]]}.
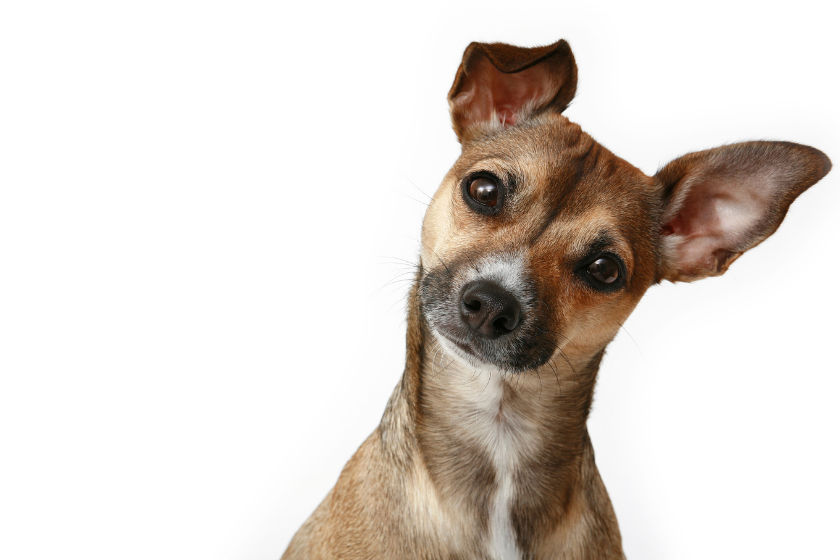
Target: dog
{"points": [[535, 249]]}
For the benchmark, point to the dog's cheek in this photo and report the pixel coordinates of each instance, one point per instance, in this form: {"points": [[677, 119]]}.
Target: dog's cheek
{"points": [[438, 224], [548, 308], [597, 318], [435, 289], [542, 333]]}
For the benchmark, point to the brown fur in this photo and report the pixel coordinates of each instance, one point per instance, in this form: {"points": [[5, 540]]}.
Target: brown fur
{"points": [[423, 485]]}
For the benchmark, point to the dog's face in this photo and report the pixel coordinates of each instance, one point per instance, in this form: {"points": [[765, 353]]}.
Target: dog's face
{"points": [[540, 241], [541, 219]]}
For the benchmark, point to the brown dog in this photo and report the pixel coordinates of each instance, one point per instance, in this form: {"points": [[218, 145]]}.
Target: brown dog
{"points": [[535, 249]]}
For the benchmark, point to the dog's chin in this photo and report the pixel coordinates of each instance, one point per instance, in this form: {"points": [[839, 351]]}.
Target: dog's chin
{"points": [[471, 356], [459, 350]]}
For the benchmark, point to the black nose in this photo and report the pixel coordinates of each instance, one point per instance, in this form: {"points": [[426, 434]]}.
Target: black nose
{"points": [[489, 310]]}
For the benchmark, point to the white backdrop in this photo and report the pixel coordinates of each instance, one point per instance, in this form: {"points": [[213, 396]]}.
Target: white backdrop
{"points": [[203, 204]]}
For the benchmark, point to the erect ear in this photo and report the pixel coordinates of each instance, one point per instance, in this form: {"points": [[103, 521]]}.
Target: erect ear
{"points": [[721, 202], [499, 83]]}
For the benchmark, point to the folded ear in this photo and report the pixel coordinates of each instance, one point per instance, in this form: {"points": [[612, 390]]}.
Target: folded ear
{"points": [[721, 202], [502, 84]]}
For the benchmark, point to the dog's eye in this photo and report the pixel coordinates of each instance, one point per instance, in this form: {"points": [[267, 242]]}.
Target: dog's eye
{"points": [[605, 270], [484, 191]]}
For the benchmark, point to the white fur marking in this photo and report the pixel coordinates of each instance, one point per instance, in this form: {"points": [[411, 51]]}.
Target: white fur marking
{"points": [[507, 270], [502, 537], [498, 433]]}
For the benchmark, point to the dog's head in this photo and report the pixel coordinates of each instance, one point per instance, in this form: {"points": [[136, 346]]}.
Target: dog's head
{"points": [[540, 240]]}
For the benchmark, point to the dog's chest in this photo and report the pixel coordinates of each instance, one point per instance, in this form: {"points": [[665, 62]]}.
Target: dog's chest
{"points": [[489, 422]]}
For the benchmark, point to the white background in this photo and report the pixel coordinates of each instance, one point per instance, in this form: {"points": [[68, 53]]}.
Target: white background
{"points": [[202, 205]]}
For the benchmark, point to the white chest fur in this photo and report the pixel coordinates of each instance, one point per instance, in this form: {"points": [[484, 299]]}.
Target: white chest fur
{"points": [[485, 421]]}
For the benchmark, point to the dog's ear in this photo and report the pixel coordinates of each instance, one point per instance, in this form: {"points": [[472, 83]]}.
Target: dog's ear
{"points": [[721, 202], [500, 84]]}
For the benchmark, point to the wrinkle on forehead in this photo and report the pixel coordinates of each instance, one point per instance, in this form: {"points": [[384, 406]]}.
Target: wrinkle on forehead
{"points": [[577, 233]]}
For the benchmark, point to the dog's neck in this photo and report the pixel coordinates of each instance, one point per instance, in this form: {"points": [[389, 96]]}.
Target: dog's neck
{"points": [[506, 450]]}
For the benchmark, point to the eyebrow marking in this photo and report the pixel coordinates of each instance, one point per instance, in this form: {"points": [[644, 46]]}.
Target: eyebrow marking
{"points": [[601, 242]]}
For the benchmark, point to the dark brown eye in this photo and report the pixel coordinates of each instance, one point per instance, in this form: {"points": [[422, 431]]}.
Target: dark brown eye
{"points": [[605, 270], [484, 191]]}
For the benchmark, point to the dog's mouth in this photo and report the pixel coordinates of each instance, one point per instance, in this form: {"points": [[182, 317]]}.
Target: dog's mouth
{"points": [[514, 354], [527, 347], [462, 346]]}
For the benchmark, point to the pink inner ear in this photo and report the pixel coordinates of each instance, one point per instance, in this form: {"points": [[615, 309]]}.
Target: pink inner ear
{"points": [[674, 226], [506, 116], [492, 91], [724, 201], [715, 219]]}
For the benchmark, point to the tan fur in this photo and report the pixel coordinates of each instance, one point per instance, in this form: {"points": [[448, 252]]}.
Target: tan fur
{"points": [[476, 459]]}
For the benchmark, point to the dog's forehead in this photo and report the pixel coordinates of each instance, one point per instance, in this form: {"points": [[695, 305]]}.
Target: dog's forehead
{"points": [[559, 173]]}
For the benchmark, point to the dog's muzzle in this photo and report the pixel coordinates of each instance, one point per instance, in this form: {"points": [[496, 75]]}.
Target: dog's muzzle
{"points": [[486, 311]]}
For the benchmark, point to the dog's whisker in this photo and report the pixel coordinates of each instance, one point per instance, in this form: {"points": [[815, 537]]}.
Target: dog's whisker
{"points": [[391, 260], [416, 187], [395, 280], [411, 197], [421, 242], [639, 348]]}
